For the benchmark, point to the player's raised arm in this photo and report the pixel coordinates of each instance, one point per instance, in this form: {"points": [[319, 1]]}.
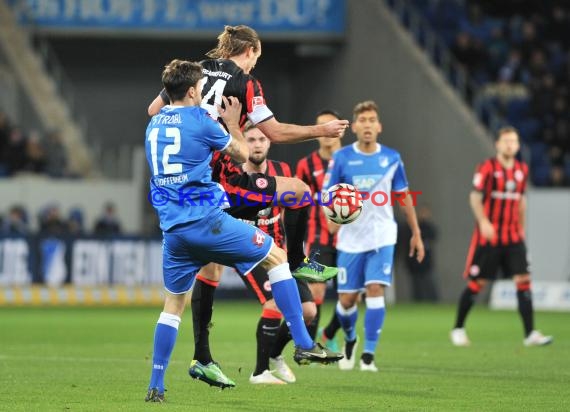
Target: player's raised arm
{"points": [[237, 149], [158, 103], [291, 133]]}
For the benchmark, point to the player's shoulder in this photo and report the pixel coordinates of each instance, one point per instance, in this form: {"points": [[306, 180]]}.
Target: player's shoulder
{"points": [[345, 151], [389, 152], [521, 164]]}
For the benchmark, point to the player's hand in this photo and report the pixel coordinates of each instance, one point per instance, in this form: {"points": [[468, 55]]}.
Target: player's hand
{"points": [[231, 111], [487, 229], [335, 128], [417, 248]]}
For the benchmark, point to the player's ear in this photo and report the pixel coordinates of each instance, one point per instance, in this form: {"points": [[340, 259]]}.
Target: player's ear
{"points": [[191, 93]]}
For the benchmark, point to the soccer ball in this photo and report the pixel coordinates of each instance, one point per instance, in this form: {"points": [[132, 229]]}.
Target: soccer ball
{"points": [[342, 203]]}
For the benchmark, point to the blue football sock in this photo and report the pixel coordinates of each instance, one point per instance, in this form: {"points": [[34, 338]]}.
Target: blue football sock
{"points": [[286, 295], [347, 319], [373, 321], [164, 340]]}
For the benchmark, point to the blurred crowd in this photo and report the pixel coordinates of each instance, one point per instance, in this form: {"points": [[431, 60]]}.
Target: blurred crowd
{"points": [[517, 52], [29, 151], [52, 222]]}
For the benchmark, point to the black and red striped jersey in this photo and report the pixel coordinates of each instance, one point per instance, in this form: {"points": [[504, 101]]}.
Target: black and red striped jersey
{"points": [[502, 190], [269, 219], [311, 170], [224, 77]]}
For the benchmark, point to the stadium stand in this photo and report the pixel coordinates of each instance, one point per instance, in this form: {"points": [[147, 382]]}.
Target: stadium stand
{"points": [[513, 66]]}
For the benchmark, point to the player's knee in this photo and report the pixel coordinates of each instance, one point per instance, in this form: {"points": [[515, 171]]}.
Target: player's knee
{"points": [[276, 257], [309, 311], [270, 307], [174, 304], [347, 300], [212, 272], [476, 286], [522, 283], [374, 290], [318, 291]]}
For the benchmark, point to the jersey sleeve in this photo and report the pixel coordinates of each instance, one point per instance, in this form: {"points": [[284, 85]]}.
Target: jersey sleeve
{"points": [[400, 181], [332, 176], [481, 176], [215, 135], [257, 110]]}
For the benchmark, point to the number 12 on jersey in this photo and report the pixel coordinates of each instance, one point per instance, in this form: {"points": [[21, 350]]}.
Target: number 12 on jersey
{"points": [[167, 151]]}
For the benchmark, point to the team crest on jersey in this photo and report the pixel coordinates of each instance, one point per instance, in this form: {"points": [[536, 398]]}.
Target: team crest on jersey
{"points": [[267, 286], [519, 175], [387, 268], [257, 101], [258, 238], [510, 185], [261, 182], [383, 161], [474, 270]]}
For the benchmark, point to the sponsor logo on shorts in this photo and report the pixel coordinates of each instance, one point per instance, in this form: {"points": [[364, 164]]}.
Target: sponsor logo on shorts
{"points": [[261, 182], [258, 238], [387, 268], [267, 286]]}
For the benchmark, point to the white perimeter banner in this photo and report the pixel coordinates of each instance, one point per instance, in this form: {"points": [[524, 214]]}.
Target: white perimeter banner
{"points": [[546, 295]]}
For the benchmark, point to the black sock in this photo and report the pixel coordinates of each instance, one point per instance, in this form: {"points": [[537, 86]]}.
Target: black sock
{"points": [[202, 308], [295, 231], [349, 347], [332, 327], [367, 358], [283, 338], [465, 303], [314, 325], [525, 309], [267, 329]]}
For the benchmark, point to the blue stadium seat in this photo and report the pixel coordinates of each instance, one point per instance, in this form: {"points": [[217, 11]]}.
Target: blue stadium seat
{"points": [[540, 174], [517, 109]]}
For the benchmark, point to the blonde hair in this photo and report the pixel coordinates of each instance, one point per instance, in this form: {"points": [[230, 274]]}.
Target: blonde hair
{"points": [[233, 41]]}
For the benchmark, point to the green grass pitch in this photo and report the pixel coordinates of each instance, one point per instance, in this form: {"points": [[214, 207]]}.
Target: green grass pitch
{"points": [[87, 359]]}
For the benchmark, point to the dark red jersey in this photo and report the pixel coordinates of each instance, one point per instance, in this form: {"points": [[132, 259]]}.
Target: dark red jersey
{"points": [[311, 170], [224, 77], [269, 220], [502, 191]]}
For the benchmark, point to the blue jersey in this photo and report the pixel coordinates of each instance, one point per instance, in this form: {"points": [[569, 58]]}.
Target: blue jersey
{"points": [[179, 144], [377, 174]]}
